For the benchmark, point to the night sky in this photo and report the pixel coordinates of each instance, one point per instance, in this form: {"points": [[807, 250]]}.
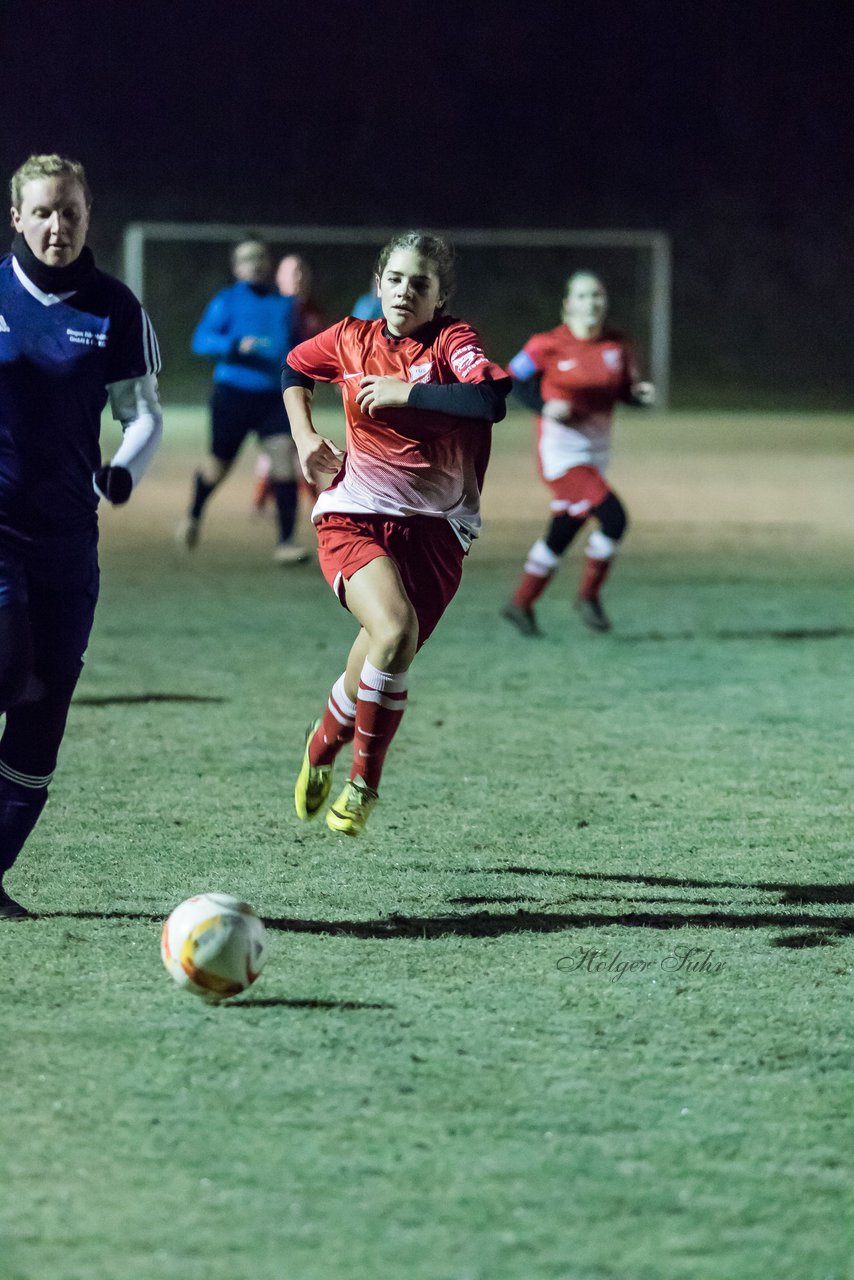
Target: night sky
{"points": [[729, 126]]}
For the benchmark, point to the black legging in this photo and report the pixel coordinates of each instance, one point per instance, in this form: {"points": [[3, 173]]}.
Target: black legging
{"points": [[16, 654], [610, 513], [35, 702]]}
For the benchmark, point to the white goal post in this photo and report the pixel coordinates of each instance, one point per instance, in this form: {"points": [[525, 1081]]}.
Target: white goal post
{"points": [[137, 236]]}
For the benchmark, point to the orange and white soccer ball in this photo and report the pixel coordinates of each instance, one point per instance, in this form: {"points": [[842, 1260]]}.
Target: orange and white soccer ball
{"points": [[213, 945]]}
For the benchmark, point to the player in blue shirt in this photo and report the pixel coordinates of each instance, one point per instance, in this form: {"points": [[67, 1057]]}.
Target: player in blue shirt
{"points": [[367, 306], [248, 329], [70, 338]]}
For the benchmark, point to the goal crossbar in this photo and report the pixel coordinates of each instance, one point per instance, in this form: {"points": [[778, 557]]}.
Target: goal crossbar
{"points": [[657, 243]]}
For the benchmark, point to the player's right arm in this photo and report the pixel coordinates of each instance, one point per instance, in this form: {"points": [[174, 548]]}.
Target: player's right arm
{"points": [[310, 361], [213, 334]]}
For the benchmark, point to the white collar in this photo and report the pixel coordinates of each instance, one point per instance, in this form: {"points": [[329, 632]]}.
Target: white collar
{"points": [[47, 299]]}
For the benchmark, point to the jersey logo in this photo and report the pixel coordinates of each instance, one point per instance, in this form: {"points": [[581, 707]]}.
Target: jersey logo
{"points": [[421, 372], [358, 374], [613, 357], [566, 365], [466, 359], [4, 328], [87, 338]]}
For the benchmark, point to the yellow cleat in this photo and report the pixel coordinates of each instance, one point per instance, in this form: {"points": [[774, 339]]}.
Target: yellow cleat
{"points": [[351, 810], [314, 782]]}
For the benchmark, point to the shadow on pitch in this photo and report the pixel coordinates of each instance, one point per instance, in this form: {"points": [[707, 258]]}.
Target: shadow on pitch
{"points": [[132, 699], [485, 924], [282, 1002], [759, 633], [790, 893]]}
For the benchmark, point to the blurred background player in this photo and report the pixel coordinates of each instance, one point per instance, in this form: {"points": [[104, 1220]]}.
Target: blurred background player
{"points": [[248, 329], [393, 529], [367, 306], [294, 279], [70, 337], [573, 376]]}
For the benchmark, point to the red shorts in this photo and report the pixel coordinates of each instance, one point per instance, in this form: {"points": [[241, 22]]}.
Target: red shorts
{"points": [[577, 490], [427, 552]]}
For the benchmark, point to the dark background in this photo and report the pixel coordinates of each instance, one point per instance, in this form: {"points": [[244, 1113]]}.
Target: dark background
{"points": [[728, 126]]}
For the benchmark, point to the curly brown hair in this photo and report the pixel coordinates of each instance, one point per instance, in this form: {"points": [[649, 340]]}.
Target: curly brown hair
{"points": [[436, 250]]}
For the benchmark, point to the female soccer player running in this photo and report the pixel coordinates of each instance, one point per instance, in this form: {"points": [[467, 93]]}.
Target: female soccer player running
{"points": [[71, 337], [573, 376], [394, 526]]}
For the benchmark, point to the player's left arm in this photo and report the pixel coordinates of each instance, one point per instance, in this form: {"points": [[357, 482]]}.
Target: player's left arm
{"points": [[133, 362], [478, 388], [636, 392], [136, 405]]}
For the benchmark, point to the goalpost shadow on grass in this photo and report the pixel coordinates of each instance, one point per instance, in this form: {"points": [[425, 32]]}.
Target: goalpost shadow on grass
{"points": [[284, 1002], [486, 924], [132, 699], [794, 633], [791, 892]]}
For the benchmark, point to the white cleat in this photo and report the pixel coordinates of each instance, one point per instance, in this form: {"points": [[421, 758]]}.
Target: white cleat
{"points": [[290, 553]]}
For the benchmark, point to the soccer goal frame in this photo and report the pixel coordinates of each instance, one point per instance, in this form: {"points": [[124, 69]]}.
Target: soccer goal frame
{"points": [[137, 235]]}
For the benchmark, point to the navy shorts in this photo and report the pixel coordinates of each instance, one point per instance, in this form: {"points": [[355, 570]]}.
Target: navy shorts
{"points": [[235, 414]]}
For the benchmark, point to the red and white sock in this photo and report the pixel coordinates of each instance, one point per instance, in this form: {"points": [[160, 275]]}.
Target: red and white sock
{"points": [[540, 568], [336, 728], [600, 556], [380, 704]]}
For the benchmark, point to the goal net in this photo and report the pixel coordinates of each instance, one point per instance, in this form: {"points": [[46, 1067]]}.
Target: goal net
{"points": [[509, 286]]}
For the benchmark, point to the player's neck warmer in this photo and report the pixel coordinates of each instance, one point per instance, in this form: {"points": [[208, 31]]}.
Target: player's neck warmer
{"points": [[53, 279]]}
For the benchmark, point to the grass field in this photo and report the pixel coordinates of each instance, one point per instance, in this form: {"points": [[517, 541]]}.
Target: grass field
{"points": [[578, 1007]]}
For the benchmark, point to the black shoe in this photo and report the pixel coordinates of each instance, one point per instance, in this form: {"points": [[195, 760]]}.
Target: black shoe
{"points": [[10, 909], [592, 614], [522, 619]]}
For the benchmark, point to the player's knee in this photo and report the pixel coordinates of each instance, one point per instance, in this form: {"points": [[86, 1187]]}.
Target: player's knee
{"points": [[612, 517], [35, 726], [562, 530], [15, 655], [394, 637], [13, 686]]}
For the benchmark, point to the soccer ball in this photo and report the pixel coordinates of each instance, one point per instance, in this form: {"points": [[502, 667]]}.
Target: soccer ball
{"points": [[213, 945]]}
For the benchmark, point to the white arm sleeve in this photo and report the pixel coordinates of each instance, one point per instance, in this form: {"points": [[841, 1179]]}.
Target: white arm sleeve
{"points": [[136, 406]]}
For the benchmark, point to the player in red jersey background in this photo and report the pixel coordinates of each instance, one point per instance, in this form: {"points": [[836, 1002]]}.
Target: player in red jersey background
{"points": [[574, 375], [420, 397], [294, 279]]}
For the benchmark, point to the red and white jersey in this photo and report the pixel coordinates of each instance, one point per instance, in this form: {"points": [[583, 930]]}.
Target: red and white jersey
{"points": [[592, 374], [404, 462]]}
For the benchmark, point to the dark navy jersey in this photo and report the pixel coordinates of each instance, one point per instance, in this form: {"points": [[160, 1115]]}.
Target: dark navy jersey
{"points": [[57, 359]]}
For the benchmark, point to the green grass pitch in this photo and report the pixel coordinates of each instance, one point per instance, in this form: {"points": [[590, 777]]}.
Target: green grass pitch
{"points": [[578, 1007]]}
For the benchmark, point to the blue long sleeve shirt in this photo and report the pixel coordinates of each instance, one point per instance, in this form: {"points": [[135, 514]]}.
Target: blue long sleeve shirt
{"points": [[241, 311]]}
